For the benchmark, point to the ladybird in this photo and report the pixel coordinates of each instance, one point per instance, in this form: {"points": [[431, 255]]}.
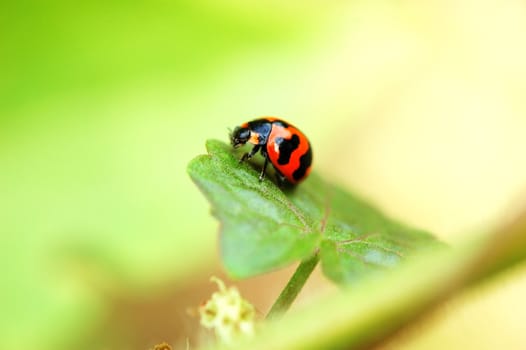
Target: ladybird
{"points": [[281, 143]]}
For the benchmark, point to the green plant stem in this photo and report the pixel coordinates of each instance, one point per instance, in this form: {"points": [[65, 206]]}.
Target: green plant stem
{"points": [[293, 287]]}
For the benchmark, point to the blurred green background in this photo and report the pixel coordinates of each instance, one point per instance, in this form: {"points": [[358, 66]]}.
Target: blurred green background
{"points": [[106, 242]]}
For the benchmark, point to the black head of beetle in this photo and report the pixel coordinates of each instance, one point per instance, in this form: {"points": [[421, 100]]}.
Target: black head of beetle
{"points": [[239, 136]]}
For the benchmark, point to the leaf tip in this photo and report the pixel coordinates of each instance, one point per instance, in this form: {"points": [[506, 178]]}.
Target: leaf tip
{"points": [[199, 163]]}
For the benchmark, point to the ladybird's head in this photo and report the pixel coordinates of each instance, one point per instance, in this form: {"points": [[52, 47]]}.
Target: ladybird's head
{"points": [[239, 136]]}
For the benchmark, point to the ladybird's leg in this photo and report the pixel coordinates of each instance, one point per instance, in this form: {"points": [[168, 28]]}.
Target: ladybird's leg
{"points": [[262, 175], [280, 179], [251, 154]]}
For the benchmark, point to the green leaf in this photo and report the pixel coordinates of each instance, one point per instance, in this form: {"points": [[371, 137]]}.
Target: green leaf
{"points": [[377, 309], [264, 228]]}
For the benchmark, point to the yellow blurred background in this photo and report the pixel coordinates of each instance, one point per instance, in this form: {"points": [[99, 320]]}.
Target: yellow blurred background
{"points": [[418, 106]]}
